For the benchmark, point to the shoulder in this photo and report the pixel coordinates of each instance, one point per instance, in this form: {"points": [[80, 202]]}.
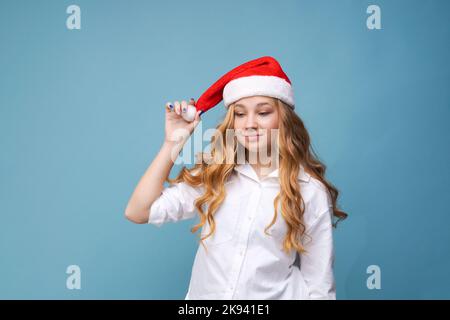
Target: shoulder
{"points": [[184, 188]]}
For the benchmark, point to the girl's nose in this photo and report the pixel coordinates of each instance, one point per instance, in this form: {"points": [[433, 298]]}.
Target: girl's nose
{"points": [[251, 122]]}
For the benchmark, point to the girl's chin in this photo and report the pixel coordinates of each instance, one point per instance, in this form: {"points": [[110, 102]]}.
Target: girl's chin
{"points": [[254, 146]]}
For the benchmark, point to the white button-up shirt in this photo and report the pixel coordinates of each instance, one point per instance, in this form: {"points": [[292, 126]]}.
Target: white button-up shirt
{"points": [[241, 261]]}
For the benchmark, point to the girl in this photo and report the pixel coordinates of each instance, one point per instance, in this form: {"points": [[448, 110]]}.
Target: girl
{"points": [[266, 216]]}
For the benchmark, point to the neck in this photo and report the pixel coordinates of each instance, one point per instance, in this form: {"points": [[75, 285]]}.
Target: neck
{"points": [[263, 168]]}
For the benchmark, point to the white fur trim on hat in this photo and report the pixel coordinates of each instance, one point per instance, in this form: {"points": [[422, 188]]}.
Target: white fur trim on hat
{"points": [[271, 86]]}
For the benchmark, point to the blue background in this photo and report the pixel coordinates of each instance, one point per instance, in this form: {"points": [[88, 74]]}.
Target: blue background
{"points": [[82, 116]]}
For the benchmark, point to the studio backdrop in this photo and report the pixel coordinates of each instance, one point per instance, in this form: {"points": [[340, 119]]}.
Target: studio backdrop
{"points": [[83, 85]]}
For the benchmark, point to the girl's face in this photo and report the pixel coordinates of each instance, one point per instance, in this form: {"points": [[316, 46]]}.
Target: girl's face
{"points": [[254, 117]]}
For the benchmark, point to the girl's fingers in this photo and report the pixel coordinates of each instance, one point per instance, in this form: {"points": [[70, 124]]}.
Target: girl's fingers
{"points": [[169, 107], [180, 108], [197, 118], [183, 106], [177, 107]]}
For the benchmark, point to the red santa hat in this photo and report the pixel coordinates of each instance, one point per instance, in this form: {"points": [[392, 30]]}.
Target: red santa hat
{"points": [[263, 76]]}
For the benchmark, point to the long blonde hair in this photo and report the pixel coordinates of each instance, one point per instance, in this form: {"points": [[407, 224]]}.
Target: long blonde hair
{"points": [[294, 149]]}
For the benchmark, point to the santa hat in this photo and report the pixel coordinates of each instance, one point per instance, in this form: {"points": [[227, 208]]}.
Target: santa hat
{"points": [[263, 76]]}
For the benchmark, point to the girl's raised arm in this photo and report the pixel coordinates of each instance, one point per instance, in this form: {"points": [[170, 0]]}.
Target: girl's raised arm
{"points": [[150, 186]]}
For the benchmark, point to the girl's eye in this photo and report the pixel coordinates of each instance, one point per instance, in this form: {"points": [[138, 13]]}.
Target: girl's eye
{"points": [[238, 114], [263, 113]]}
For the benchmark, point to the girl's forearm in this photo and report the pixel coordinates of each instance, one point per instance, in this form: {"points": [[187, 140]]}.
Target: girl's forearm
{"points": [[151, 184]]}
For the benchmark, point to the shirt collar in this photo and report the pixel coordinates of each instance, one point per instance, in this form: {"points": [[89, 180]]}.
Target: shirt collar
{"points": [[247, 170]]}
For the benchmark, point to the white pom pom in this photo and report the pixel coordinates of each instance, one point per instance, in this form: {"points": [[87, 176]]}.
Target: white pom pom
{"points": [[190, 113]]}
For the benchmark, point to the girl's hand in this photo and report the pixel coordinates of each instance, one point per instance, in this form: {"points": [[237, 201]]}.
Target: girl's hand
{"points": [[176, 127]]}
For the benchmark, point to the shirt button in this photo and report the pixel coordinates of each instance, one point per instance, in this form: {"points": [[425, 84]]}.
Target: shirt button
{"points": [[249, 218]]}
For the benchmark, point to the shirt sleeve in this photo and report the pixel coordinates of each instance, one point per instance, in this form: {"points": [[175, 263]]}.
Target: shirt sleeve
{"points": [[316, 265], [175, 203]]}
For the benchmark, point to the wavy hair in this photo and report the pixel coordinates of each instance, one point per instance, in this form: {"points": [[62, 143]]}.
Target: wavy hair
{"points": [[294, 149]]}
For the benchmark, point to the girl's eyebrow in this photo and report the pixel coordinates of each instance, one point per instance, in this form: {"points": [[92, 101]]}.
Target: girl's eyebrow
{"points": [[258, 105]]}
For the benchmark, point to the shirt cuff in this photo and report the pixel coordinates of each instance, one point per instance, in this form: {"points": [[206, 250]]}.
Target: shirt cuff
{"points": [[155, 216]]}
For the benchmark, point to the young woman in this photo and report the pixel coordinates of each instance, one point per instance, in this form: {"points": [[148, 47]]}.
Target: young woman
{"points": [[266, 216]]}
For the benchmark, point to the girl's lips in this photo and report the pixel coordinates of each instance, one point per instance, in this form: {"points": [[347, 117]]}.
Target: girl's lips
{"points": [[252, 137]]}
